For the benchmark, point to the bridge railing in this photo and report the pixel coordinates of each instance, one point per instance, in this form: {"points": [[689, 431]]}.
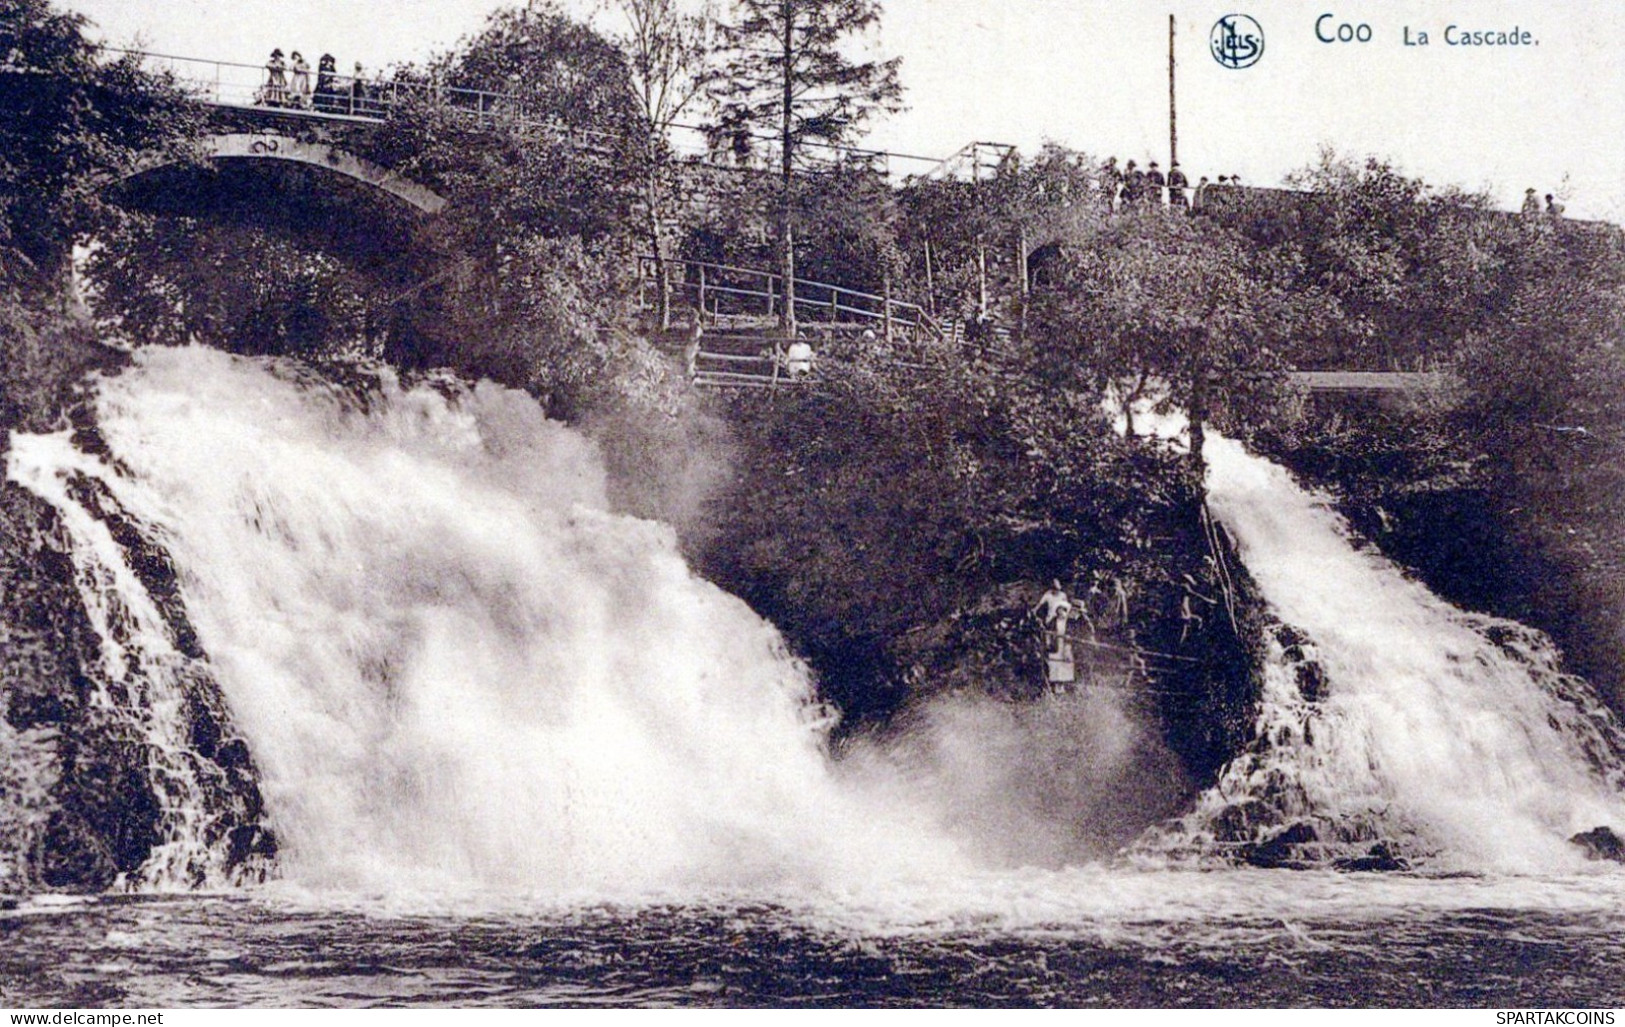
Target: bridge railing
{"points": [[973, 162], [335, 96], [724, 291]]}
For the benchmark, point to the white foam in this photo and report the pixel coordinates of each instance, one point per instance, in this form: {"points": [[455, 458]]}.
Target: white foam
{"points": [[1456, 733], [455, 667]]}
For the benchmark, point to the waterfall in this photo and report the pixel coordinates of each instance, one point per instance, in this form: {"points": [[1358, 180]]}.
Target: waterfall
{"points": [[1391, 723], [398, 629], [454, 667]]}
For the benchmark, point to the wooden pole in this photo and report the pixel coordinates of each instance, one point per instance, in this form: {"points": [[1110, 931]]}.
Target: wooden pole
{"points": [[885, 288], [1173, 111], [1021, 259], [787, 235], [981, 279], [930, 282]]}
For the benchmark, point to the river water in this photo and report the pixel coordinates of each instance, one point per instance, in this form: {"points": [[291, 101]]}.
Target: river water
{"points": [[1087, 936], [516, 753]]}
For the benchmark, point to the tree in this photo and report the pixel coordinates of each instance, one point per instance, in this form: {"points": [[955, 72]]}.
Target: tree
{"points": [[1543, 403], [175, 280], [1401, 272], [545, 190], [69, 121], [786, 73], [559, 154], [970, 239], [1167, 300], [668, 50]]}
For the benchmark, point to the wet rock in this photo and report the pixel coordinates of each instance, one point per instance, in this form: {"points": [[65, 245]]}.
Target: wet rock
{"points": [[73, 857], [114, 797], [1311, 678], [1282, 850], [1236, 822], [1290, 637], [1601, 843], [89, 804], [1379, 858], [248, 841]]}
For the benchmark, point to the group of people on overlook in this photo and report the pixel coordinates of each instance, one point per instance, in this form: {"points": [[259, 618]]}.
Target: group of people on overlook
{"points": [[288, 84], [1531, 205], [1130, 186]]}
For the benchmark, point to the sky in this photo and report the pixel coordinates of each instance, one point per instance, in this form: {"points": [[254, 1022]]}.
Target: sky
{"points": [[1093, 74]]}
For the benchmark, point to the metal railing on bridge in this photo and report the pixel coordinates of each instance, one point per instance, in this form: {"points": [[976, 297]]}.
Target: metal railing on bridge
{"points": [[335, 97], [341, 97]]}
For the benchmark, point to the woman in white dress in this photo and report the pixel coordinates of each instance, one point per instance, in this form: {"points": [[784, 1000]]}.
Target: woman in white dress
{"points": [[301, 81]]}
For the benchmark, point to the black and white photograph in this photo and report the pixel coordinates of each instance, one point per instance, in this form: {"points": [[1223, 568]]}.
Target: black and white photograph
{"points": [[785, 504]]}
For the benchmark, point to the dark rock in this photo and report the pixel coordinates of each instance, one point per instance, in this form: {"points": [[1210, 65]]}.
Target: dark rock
{"points": [[234, 755], [1290, 637], [36, 709], [1311, 678], [1237, 821], [114, 797], [205, 729], [1281, 850], [73, 857], [249, 841], [1601, 843], [1380, 858], [104, 801]]}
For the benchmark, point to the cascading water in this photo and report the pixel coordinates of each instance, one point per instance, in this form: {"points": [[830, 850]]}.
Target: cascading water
{"points": [[1388, 717], [469, 694], [453, 666]]}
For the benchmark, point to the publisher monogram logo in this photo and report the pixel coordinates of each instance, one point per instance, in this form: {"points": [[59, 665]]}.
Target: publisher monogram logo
{"points": [[1237, 41]]}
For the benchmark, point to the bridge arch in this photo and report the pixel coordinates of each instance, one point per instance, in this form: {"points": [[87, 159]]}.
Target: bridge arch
{"points": [[272, 146]]}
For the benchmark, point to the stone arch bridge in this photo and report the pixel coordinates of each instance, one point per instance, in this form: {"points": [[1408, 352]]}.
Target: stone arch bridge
{"points": [[274, 146]]}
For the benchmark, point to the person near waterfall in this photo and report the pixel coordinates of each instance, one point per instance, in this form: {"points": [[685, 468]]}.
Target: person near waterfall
{"points": [[1054, 609], [798, 359]]}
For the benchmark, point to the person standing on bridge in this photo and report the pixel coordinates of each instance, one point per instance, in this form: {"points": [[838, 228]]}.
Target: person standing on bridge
{"points": [[358, 91], [301, 81], [275, 93], [691, 354], [1111, 182], [327, 73], [1133, 184]]}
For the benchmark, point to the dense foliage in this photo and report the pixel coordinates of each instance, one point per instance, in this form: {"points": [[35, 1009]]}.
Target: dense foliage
{"points": [[900, 526], [69, 121]]}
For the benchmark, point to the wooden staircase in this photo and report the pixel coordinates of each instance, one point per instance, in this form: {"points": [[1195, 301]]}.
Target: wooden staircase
{"points": [[743, 343]]}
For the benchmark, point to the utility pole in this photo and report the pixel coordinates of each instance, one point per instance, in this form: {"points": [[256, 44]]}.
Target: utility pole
{"points": [[787, 259], [1173, 112]]}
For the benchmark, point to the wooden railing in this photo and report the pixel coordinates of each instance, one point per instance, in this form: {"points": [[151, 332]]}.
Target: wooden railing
{"points": [[724, 293]]}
